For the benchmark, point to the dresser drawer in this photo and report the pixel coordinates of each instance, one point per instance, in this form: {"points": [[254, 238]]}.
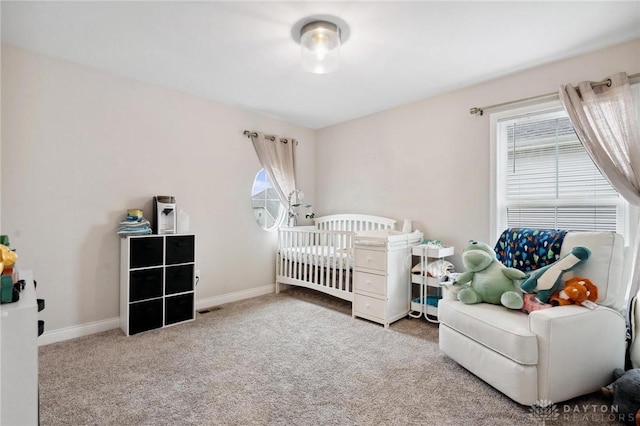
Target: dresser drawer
{"points": [[370, 259], [369, 306], [369, 283]]}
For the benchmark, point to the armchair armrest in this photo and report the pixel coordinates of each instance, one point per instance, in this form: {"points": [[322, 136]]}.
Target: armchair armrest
{"points": [[578, 349]]}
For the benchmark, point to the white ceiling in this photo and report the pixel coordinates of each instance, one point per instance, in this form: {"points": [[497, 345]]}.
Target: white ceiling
{"points": [[243, 53]]}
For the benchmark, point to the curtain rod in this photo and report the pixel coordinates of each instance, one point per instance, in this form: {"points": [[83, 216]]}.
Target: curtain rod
{"points": [[551, 95], [271, 138]]}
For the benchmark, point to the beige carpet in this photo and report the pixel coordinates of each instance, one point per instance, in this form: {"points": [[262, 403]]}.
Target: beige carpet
{"points": [[297, 358]]}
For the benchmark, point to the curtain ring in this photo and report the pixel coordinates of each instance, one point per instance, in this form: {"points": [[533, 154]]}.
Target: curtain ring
{"points": [[608, 82]]}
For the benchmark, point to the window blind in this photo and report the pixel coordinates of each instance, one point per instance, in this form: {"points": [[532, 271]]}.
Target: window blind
{"points": [[548, 179]]}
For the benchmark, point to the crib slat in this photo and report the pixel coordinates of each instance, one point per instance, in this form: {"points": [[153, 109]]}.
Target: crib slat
{"points": [[334, 260], [338, 258], [283, 237], [292, 253], [295, 255], [329, 261], [322, 245], [289, 254], [349, 262], [305, 260]]}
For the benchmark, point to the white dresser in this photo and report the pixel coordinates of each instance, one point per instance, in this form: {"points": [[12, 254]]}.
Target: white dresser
{"points": [[19, 358], [381, 277]]}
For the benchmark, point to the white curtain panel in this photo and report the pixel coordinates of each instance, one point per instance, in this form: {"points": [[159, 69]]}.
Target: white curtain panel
{"points": [[277, 158], [605, 120]]}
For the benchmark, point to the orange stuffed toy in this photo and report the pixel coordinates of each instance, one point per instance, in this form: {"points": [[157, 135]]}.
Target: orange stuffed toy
{"points": [[576, 290]]}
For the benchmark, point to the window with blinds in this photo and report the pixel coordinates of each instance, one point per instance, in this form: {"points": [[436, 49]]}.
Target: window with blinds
{"points": [[546, 178]]}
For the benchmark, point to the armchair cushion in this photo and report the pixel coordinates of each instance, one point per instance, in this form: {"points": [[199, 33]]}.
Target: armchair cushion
{"points": [[604, 267], [503, 330]]}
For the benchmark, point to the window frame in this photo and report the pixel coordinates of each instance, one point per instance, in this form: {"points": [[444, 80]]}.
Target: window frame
{"points": [[626, 215]]}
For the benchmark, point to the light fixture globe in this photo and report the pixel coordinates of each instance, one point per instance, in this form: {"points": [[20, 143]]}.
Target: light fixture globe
{"points": [[320, 42]]}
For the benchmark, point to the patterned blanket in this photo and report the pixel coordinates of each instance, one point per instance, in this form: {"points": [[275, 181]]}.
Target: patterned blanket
{"points": [[527, 249]]}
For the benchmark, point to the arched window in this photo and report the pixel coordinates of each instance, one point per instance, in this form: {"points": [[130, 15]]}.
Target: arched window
{"points": [[267, 208]]}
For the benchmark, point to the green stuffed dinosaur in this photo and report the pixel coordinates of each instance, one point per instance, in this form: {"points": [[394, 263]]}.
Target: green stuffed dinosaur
{"points": [[548, 279], [488, 280]]}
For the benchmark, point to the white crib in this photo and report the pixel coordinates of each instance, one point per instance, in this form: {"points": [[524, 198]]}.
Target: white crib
{"points": [[320, 257]]}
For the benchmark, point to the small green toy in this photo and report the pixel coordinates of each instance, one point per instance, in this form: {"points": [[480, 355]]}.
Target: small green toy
{"points": [[488, 280], [548, 279]]}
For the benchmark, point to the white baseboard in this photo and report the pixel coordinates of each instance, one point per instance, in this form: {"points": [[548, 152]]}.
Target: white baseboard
{"points": [[82, 330], [74, 331], [234, 297]]}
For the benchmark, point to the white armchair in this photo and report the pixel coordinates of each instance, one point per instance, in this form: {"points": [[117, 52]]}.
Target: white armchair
{"points": [[552, 354]]}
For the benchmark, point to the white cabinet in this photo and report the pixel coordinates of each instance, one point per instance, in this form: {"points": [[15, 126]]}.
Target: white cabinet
{"points": [[382, 260], [157, 281], [426, 290], [19, 357]]}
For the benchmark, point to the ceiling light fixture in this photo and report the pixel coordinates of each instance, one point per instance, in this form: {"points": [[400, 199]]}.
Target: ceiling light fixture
{"points": [[320, 42]]}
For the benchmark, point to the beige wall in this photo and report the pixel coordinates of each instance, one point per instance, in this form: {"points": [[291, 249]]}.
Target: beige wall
{"points": [[429, 161], [80, 146]]}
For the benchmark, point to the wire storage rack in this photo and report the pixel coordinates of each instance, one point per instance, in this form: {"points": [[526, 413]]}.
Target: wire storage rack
{"points": [[426, 290]]}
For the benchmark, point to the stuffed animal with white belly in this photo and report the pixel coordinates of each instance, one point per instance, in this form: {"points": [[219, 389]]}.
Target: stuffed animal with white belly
{"points": [[548, 279]]}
